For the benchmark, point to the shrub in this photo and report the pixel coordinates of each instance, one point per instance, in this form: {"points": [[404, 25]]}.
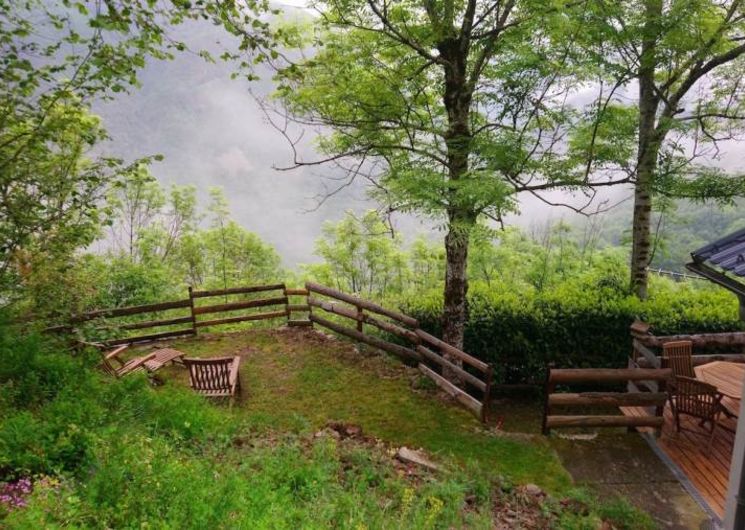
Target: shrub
{"points": [[56, 406], [580, 323], [30, 371]]}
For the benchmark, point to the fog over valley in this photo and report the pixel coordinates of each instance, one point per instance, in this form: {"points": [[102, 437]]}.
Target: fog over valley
{"points": [[212, 132]]}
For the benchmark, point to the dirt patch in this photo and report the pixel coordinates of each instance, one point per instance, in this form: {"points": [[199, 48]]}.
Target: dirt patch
{"points": [[525, 507]]}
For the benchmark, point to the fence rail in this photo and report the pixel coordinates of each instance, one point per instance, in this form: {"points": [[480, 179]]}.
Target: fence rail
{"points": [[194, 319], [128, 311], [647, 349], [633, 397], [235, 306], [238, 290], [435, 359], [642, 335], [467, 379]]}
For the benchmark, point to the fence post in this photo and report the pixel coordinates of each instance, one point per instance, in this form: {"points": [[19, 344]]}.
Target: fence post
{"points": [[548, 389], [360, 316], [287, 306], [310, 307], [659, 411], [487, 395], [191, 309]]}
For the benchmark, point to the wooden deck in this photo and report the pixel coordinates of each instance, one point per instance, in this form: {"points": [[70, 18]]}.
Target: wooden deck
{"points": [[707, 468]]}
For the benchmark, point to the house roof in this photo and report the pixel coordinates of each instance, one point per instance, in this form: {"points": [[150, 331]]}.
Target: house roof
{"points": [[727, 254], [723, 262]]}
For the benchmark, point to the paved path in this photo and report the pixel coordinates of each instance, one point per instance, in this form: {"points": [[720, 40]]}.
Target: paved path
{"points": [[625, 464]]}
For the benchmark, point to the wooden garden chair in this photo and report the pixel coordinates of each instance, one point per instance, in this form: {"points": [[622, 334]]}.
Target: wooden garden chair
{"points": [[678, 355], [113, 363], [216, 377], [695, 398]]}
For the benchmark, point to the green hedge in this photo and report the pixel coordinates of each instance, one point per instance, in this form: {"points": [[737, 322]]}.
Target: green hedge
{"points": [[581, 323]]}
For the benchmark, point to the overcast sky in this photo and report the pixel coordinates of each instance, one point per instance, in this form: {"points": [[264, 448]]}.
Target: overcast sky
{"points": [[213, 133]]}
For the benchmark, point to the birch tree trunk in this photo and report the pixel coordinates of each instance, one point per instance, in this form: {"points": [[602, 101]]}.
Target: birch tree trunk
{"points": [[457, 101], [641, 250]]}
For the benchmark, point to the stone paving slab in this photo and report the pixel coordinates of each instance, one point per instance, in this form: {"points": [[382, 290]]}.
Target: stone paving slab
{"points": [[624, 464]]}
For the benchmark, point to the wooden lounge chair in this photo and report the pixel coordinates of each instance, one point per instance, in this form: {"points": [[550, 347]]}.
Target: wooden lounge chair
{"points": [[114, 364], [695, 398], [216, 377], [678, 355]]}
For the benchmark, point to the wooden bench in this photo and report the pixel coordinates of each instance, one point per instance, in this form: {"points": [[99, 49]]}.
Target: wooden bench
{"points": [[114, 364], [216, 377]]}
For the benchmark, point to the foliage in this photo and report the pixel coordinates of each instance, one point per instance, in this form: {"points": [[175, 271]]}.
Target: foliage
{"points": [[58, 407], [105, 453], [52, 69], [361, 255], [680, 228], [58, 58], [558, 295], [583, 322], [49, 188], [158, 247], [685, 62], [451, 110]]}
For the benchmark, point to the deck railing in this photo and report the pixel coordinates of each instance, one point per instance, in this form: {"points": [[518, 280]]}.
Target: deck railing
{"points": [[593, 400], [647, 347]]}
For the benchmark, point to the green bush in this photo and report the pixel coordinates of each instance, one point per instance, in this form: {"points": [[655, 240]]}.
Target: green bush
{"points": [[55, 407], [139, 481], [583, 322], [30, 372]]}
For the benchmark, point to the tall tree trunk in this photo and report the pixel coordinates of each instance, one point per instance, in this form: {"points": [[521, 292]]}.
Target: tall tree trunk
{"points": [[454, 313], [457, 101], [641, 249]]}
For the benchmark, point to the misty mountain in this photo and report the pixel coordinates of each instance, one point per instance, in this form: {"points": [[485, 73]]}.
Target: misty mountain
{"points": [[212, 132]]}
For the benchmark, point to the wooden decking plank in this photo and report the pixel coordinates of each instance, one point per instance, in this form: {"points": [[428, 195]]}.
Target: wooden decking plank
{"points": [[707, 468], [715, 452], [707, 473], [707, 487], [708, 465], [700, 482]]}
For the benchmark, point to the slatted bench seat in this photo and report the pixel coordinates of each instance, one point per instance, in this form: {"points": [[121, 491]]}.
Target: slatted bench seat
{"points": [[216, 377], [113, 363], [163, 356]]}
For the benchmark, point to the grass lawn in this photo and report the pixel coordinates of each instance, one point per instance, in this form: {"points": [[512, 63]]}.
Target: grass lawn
{"points": [[310, 444], [300, 380]]}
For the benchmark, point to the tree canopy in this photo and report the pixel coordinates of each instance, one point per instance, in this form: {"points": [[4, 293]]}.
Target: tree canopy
{"points": [[685, 59], [449, 109], [56, 60]]}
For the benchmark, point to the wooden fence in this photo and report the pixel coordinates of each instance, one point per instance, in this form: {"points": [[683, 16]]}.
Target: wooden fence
{"points": [[278, 297], [593, 400], [645, 379], [155, 322], [647, 348], [462, 376], [197, 311], [436, 359]]}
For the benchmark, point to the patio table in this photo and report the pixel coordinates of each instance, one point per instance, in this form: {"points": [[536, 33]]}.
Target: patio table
{"points": [[728, 378]]}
